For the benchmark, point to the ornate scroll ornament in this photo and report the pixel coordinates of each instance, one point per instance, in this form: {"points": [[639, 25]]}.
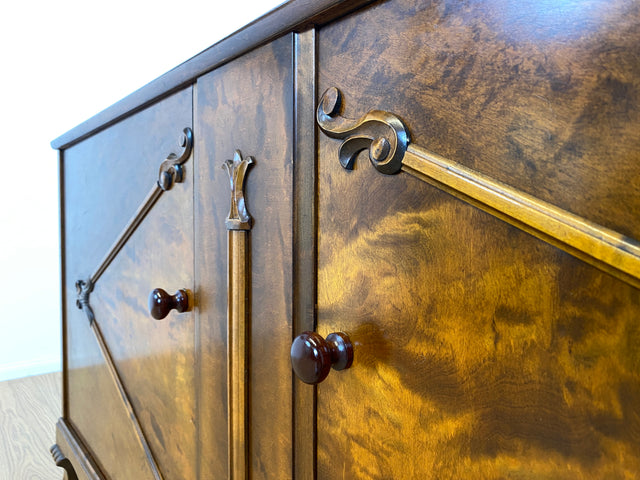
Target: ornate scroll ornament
{"points": [[171, 170], [84, 289], [382, 133], [239, 218]]}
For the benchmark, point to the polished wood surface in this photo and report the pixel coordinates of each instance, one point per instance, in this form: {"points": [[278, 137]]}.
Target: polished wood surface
{"points": [[538, 95], [126, 159], [29, 409], [479, 351], [246, 105], [155, 359]]}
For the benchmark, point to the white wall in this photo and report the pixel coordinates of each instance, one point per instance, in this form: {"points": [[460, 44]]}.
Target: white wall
{"points": [[62, 62]]}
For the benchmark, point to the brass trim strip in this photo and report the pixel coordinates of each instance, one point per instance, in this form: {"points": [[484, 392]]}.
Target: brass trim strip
{"points": [[599, 246], [170, 173], [238, 223], [84, 292], [237, 389], [390, 151]]}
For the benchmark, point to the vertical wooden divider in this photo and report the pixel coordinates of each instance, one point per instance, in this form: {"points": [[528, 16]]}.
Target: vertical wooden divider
{"points": [[305, 249]]}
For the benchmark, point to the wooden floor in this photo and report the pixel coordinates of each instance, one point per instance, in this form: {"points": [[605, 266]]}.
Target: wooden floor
{"points": [[29, 409]]}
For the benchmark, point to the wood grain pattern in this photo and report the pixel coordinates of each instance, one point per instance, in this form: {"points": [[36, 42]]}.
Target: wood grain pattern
{"points": [[155, 359], [106, 179], [29, 408], [599, 246], [304, 243], [540, 96], [238, 353], [247, 105], [480, 351]]}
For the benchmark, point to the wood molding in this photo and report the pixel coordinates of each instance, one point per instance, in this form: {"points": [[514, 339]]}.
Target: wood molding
{"points": [[170, 173], [238, 224], [390, 150], [305, 248], [83, 303], [599, 246]]}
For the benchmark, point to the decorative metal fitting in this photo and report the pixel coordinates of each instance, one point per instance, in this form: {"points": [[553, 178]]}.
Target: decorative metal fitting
{"points": [[382, 133], [84, 289], [239, 218], [171, 170]]}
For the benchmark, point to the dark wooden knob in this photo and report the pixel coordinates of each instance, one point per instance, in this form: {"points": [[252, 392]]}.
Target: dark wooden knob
{"points": [[312, 356], [161, 303]]}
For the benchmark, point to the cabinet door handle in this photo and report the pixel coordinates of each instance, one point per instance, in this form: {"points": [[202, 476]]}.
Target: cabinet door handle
{"points": [[161, 303], [312, 356]]}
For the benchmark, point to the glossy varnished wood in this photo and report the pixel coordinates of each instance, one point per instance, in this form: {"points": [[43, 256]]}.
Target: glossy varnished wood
{"points": [[480, 352], [247, 105], [304, 243], [538, 96], [155, 359], [125, 159]]}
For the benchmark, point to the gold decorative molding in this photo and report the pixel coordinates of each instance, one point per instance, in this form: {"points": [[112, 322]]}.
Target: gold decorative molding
{"points": [[171, 172], [239, 218], [238, 224], [384, 135]]}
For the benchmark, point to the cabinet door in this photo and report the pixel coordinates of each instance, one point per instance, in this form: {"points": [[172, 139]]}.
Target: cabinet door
{"points": [[481, 351], [246, 106], [129, 378]]}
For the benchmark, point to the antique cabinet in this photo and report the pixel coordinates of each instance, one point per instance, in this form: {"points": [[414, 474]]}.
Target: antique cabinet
{"points": [[437, 198]]}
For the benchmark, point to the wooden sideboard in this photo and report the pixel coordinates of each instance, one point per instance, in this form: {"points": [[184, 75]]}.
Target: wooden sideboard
{"points": [[440, 199]]}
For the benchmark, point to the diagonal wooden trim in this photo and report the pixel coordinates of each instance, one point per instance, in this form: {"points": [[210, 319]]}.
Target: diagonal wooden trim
{"points": [[601, 247], [113, 372], [387, 139], [170, 172]]}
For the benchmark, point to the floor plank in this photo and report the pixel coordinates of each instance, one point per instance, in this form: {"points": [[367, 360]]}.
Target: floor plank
{"points": [[29, 409]]}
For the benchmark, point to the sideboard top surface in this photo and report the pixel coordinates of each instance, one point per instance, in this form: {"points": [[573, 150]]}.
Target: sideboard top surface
{"points": [[294, 15]]}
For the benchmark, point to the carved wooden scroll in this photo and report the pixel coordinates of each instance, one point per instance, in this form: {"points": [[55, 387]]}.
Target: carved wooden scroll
{"points": [[390, 151], [238, 224], [171, 172]]}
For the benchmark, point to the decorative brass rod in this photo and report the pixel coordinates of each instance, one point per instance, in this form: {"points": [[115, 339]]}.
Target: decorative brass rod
{"points": [[136, 220], [171, 172], [601, 247], [238, 224], [390, 151], [84, 292]]}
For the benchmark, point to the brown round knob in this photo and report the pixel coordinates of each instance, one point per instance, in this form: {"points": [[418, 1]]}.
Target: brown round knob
{"points": [[161, 303], [312, 356]]}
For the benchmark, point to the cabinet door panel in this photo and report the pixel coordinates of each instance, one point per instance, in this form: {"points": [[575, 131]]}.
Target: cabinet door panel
{"points": [[106, 179], [480, 351], [246, 105], [541, 96]]}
